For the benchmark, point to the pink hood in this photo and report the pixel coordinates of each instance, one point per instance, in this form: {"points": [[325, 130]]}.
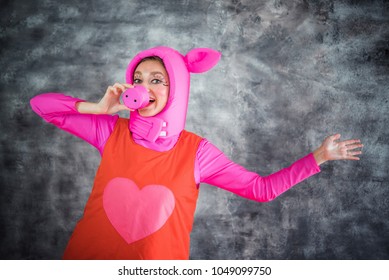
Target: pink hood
{"points": [[165, 127]]}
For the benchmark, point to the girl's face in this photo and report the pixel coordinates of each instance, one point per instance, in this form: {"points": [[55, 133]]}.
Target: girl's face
{"points": [[152, 75]]}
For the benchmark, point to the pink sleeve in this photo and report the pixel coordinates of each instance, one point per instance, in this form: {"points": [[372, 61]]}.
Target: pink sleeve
{"points": [[214, 168], [60, 110]]}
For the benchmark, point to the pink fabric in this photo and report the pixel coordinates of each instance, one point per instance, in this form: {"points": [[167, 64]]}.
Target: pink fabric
{"points": [[200, 60], [150, 208], [211, 166]]}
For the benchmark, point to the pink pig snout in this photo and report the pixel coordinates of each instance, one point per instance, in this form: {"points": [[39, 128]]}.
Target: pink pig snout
{"points": [[136, 98]]}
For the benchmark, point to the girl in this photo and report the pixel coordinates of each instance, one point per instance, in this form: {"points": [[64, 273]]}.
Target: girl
{"points": [[144, 196]]}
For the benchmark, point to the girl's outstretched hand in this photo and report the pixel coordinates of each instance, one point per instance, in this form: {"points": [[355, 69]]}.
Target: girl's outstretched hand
{"points": [[333, 149]]}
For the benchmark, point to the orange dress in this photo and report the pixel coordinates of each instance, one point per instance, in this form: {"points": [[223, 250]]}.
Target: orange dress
{"points": [[142, 203]]}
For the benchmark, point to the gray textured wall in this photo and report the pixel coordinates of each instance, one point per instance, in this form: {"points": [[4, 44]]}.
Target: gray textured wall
{"points": [[292, 72]]}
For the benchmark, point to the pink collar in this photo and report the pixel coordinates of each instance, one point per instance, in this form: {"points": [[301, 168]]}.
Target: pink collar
{"points": [[161, 145], [151, 133]]}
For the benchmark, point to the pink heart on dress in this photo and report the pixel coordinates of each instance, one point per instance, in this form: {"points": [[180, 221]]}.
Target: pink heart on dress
{"points": [[136, 213]]}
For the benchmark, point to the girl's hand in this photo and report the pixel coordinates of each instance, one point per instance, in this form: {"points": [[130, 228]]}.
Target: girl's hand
{"points": [[332, 149], [110, 103]]}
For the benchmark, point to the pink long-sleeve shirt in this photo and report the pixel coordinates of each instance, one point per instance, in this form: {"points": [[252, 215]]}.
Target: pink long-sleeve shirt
{"points": [[211, 165]]}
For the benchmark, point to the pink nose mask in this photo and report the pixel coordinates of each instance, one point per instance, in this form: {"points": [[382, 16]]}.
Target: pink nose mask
{"points": [[136, 98]]}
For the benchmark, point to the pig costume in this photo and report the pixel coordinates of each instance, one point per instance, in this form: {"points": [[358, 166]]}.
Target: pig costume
{"points": [[144, 196]]}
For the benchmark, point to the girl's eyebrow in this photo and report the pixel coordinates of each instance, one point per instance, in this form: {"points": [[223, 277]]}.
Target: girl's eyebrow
{"points": [[152, 73], [156, 73]]}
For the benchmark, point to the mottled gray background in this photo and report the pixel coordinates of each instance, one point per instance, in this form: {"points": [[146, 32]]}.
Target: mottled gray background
{"points": [[292, 72]]}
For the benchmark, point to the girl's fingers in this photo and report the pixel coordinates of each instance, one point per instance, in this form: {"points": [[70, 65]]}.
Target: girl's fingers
{"points": [[353, 158], [128, 85], [351, 142], [354, 146], [354, 153], [119, 88], [110, 89], [335, 137], [124, 86]]}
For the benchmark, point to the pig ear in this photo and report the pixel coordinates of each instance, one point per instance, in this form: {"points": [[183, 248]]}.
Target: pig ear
{"points": [[200, 60]]}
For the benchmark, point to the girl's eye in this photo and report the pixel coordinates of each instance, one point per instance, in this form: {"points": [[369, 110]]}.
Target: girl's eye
{"points": [[137, 81], [156, 81]]}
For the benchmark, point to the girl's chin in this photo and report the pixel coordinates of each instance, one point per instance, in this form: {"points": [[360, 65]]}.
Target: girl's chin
{"points": [[148, 112]]}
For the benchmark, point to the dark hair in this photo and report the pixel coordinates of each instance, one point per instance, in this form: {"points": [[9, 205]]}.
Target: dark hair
{"points": [[152, 58]]}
